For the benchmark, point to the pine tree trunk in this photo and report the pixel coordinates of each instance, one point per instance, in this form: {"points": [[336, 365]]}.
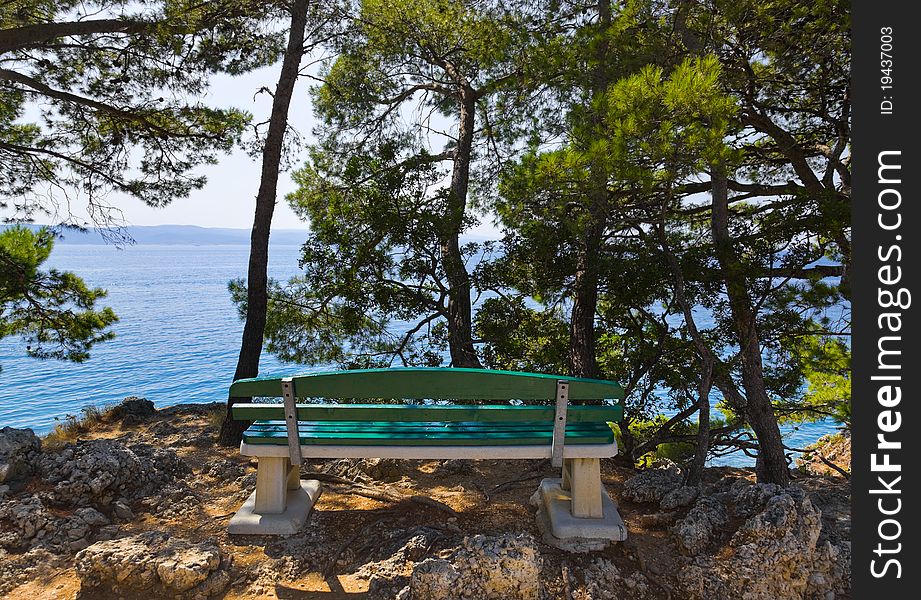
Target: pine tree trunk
{"points": [[582, 359], [257, 275], [772, 463], [460, 320], [696, 469], [627, 449]]}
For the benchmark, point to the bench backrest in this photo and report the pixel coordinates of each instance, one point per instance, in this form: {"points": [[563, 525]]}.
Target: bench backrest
{"points": [[413, 413], [429, 384], [420, 383]]}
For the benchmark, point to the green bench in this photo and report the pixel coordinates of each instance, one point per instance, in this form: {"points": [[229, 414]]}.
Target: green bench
{"points": [[573, 436]]}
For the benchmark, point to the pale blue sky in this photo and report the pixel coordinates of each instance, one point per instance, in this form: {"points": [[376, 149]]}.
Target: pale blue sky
{"points": [[228, 199]]}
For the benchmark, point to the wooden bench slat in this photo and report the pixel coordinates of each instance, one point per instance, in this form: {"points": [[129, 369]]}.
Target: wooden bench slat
{"points": [[421, 383], [420, 426], [430, 413], [413, 436]]}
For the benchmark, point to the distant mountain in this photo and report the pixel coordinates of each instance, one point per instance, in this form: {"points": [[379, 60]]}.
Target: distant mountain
{"points": [[191, 235]]}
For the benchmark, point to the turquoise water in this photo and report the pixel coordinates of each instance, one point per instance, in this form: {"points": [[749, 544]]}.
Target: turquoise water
{"points": [[177, 339]]}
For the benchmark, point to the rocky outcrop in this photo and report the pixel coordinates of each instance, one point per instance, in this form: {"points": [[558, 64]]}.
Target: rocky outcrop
{"points": [[28, 523], [774, 553], [386, 578], [19, 452], [679, 497], [748, 499], [16, 568], [505, 567], [98, 472], [152, 564], [698, 529], [604, 581], [132, 410], [22, 520], [652, 485], [834, 448], [87, 487]]}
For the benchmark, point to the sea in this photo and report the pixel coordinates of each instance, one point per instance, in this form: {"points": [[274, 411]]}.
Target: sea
{"points": [[177, 338]]}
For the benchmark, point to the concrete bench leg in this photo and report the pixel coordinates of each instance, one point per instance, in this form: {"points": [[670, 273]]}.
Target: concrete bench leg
{"points": [[575, 512], [271, 485], [294, 475], [281, 502], [582, 477]]}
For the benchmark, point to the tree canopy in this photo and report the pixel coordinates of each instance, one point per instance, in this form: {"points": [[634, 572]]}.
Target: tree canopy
{"points": [[101, 101], [405, 107], [54, 312], [105, 97], [672, 180]]}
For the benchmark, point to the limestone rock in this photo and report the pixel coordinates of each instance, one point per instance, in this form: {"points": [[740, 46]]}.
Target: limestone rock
{"points": [[434, 579], [84, 486], [774, 554], [27, 523], [679, 497], [387, 577], [121, 510], [505, 567], [91, 516], [132, 410], [749, 499], [19, 450], [652, 485], [16, 569], [696, 531], [22, 520], [197, 439], [225, 470], [96, 472], [154, 564], [604, 581]]}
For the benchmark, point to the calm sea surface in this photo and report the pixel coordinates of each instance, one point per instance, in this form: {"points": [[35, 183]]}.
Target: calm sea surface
{"points": [[177, 338]]}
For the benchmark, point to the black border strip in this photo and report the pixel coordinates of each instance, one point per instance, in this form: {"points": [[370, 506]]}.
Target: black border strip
{"points": [[883, 131]]}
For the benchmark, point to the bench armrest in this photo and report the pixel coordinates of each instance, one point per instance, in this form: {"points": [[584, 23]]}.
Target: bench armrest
{"points": [[559, 423], [294, 438]]}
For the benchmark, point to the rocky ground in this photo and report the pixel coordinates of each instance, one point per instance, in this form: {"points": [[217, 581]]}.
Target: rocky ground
{"points": [[137, 508], [830, 455]]}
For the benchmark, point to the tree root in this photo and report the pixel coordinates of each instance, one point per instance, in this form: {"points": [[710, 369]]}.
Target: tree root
{"points": [[334, 558], [384, 494], [832, 465], [564, 571], [631, 547], [532, 473]]}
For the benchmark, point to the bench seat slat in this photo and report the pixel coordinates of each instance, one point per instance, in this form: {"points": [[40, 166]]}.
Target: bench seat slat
{"points": [[476, 451], [305, 427], [448, 434], [430, 413]]}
